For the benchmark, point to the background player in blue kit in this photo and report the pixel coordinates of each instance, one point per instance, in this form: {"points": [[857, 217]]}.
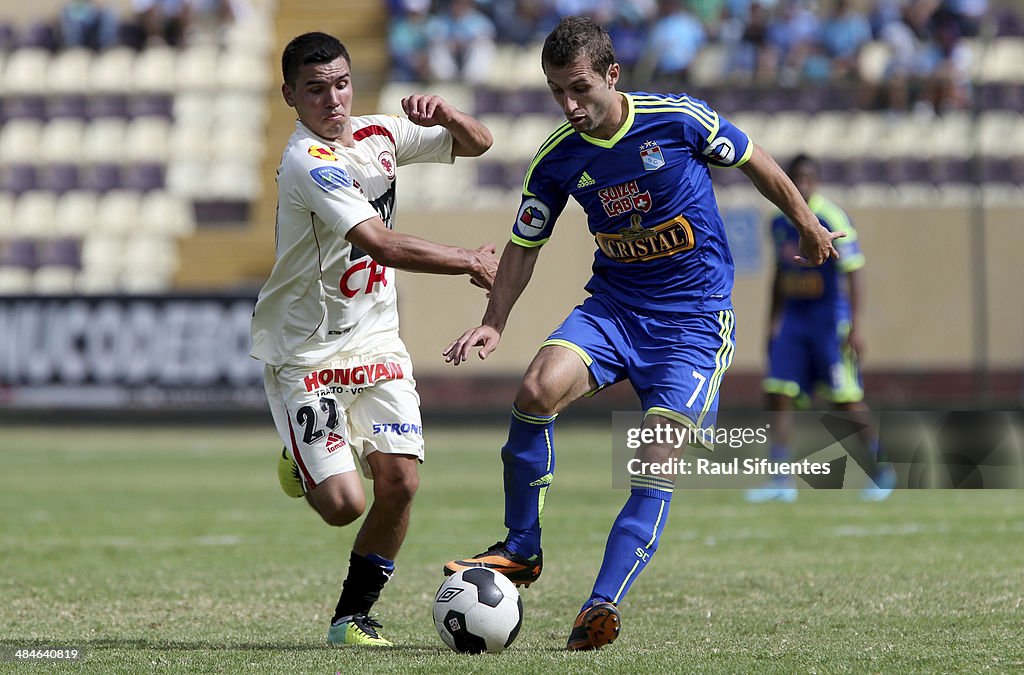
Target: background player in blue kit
{"points": [[813, 337], [660, 309]]}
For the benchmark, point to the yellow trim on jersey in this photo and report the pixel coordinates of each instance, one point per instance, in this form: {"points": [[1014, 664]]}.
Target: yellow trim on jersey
{"points": [[746, 155], [707, 118], [787, 388], [623, 130], [560, 134], [684, 420], [832, 214], [571, 347], [699, 110], [838, 221], [723, 359], [526, 243]]}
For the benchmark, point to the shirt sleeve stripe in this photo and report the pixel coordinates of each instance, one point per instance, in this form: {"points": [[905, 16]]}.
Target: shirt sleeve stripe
{"points": [[564, 132], [526, 243], [746, 155], [711, 127], [710, 115]]}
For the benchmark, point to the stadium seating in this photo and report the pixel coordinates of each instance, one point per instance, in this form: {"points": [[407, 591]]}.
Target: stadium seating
{"points": [[909, 158], [107, 158]]}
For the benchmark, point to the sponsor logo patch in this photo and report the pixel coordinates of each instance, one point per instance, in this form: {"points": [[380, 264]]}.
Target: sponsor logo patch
{"points": [[334, 442], [357, 375], [533, 217], [635, 243], [624, 198], [395, 428], [322, 153], [331, 178], [585, 181]]}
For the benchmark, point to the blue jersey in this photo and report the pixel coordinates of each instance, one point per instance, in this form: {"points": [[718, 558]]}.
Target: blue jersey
{"points": [[647, 194], [818, 291]]}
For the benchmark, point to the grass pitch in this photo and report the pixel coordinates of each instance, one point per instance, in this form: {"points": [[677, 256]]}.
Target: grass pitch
{"points": [[173, 550]]}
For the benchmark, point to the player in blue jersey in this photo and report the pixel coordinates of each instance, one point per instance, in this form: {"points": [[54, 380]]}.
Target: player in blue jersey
{"points": [[814, 335], [659, 312]]}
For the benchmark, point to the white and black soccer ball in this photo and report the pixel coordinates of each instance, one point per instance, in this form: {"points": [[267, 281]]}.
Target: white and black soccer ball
{"points": [[478, 610]]}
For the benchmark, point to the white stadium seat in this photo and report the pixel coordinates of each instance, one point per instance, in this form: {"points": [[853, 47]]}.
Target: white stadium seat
{"points": [[117, 213], [112, 71], [25, 72], [75, 213], [34, 214], [103, 140], [20, 141], [70, 72]]}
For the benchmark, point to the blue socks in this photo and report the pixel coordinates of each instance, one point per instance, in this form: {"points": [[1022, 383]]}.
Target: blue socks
{"points": [[529, 461], [633, 539]]}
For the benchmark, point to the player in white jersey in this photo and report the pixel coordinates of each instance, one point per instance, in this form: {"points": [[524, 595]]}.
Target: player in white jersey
{"points": [[337, 375]]}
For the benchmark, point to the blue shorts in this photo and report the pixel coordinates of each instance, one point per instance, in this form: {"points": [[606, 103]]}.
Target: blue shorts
{"points": [[811, 356], [674, 361]]}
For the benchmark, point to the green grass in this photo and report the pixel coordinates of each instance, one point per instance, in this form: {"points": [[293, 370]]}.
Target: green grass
{"points": [[172, 550]]}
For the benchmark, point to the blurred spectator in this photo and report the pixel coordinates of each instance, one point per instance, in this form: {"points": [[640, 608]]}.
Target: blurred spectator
{"points": [[794, 35], [214, 17], [87, 23], [753, 58], [709, 12], [969, 15], [409, 39], [842, 36], [462, 43], [630, 34], [163, 21], [521, 22], [675, 39], [946, 66]]}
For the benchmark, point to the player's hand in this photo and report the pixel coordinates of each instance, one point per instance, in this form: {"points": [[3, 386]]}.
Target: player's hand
{"points": [[428, 110], [485, 267], [856, 342], [817, 246], [484, 337]]}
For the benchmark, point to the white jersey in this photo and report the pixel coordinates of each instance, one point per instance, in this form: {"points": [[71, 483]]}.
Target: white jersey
{"points": [[324, 295]]}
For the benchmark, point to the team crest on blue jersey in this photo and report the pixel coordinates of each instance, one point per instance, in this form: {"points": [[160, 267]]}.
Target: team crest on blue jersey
{"points": [[533, 217], [651, 156]]}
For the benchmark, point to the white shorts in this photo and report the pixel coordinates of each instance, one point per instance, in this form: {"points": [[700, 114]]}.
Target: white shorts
{"points": [[343, 409]]}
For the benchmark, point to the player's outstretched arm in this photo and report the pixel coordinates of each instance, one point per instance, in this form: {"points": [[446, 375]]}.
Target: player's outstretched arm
{"points": [[771, 181], [469, 137], [406, 252], [514, 272]]}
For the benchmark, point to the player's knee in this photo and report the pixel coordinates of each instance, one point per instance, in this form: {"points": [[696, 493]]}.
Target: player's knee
{"points": [[337, 503], [339, 513], [398, 487], [535, 397]]}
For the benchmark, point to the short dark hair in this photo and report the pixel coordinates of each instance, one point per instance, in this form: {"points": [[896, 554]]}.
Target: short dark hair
{"points": [[577, 36], [310, 48], [800, 161]]}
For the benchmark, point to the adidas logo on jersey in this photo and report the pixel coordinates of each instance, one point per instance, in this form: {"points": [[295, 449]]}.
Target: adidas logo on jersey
{"points": [[585, 181]]}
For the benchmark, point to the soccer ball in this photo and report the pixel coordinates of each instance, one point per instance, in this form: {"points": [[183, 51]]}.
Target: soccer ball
{"points": [[478, 610]]}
